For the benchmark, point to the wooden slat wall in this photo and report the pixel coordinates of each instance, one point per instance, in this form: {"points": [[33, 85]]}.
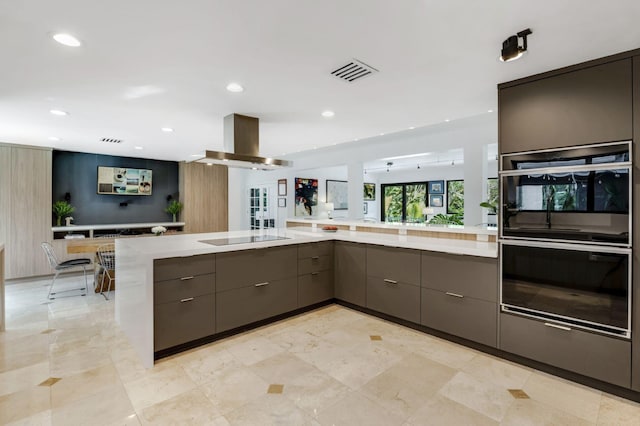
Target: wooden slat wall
{"points": [[204, 191], [5, 195]]}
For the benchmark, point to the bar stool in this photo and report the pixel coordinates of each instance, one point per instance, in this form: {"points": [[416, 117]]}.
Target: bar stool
{"points": [[63, 266]]}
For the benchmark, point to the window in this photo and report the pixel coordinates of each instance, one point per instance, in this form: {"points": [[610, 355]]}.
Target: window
{"points": [[493, 192], [455, 197], [404, 202]]}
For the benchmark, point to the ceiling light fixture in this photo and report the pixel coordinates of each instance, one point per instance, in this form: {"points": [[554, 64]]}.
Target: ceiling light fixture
{"points": [[235, 88], [411, 128], [447, 120], [167, 129], [58, 112], [418, 166], [138, 148], [67, 40], [328, 114], [489, 110], [381, 134], [510, 48], [54, 138]]}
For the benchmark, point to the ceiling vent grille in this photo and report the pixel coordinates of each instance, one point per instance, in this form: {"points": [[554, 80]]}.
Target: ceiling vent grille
{"points": [[353, 70], [111, 140]]}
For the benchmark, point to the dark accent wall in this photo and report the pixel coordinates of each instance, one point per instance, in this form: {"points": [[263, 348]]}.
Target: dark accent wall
{"points": [[76, 173]]}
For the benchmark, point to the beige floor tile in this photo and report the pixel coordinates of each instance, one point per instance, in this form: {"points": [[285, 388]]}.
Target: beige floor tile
{"points": [[253, 350], [78, 361], [282, 368], [616, 411], [357, 409], [566, 396], [234, 388], [157, 386], [404, 387], [529, 412], [269, 410], [40, 419], [447, 353], [189, 408], [440, 410], [484, 397], [24, 404], [23, 352], [22, 378], [130, 420], [83, 385], [206, 364], [315, 391], [108, 406], [294, 340], [497, 371]]}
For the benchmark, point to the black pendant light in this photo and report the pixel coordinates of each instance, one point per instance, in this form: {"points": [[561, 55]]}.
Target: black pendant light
{"points": [[511, 50]]}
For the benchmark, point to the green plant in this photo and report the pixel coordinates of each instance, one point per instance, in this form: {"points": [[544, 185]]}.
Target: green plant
{"points": [[61, 209], [174, 208], [446, 219], [491, 205], [455, 197]]}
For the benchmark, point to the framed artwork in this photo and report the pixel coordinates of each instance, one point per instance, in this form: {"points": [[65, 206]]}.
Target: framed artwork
{"points": [[436, 187], [338, 194], [124, 181], [369, 192], [366, 208], [435, 200], [282, 202], [282, 187], [306, 196]]}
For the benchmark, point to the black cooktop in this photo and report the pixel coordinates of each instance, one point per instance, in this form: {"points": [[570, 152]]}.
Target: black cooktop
{"points": [[243, 240]]}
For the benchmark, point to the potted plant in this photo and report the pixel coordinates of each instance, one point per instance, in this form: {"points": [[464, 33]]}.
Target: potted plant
{"points": [[174, 208], [491, 205], [61, 209]]}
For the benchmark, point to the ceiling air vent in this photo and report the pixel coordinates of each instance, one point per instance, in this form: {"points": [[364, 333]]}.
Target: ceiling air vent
{"points": [[111, 140], [353, 70]]}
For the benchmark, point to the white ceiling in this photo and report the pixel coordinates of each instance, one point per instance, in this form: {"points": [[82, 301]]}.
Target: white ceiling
{"points": [[147, 64]]}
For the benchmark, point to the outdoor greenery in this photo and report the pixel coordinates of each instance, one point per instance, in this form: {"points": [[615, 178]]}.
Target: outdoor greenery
{"points": [[62, 209], [444, 219], [415, 196], [393, 203], [455, 197]]}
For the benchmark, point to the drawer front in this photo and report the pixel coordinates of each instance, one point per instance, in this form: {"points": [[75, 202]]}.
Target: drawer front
{"points": [[315, 264], [315, 287], [464, 317], [179, 267], [321, 248], [470, 276], [594, 355], [399, 299], [245, 268], [394, 263], [175, 323], [182, 288], [350, 273], [238, 307]]}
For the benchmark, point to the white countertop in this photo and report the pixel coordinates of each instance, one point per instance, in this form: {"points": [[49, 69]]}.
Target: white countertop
{"points": [[114, 226]]}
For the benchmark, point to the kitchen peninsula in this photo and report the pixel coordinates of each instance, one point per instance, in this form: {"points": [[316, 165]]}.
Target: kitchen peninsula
{"points": [[222, 281]]}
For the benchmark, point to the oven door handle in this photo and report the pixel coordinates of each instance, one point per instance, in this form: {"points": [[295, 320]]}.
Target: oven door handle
{"points": [[561, 327]]}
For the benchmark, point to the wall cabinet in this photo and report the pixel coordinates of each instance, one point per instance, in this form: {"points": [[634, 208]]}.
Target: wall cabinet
{"points": [[393, 282], [184, 300], [350, 273], [315, 273], [459, 296], [579, 107], [636, 235]]}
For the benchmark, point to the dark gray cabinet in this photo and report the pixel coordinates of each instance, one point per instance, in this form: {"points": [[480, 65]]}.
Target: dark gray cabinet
{"points": [[350, 273], [252, 285], [393, 282], [594, 355], [315, 273], [635, 326], [459, 296], [583, 106], [184, 300]]}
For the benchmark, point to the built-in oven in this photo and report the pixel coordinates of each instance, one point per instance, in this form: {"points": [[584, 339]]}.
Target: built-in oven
{"points": [[565, 245]]}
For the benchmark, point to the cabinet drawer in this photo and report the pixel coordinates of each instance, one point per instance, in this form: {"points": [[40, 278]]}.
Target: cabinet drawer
{"points": [[246, 268], [315, 287], [399, 299], [242, 306], [315, 264], [465, 317], [179, 267], [182, 288], [178, 322], [321, 248], [394, 263], [350, 272], [594, 355], [471, 276]]}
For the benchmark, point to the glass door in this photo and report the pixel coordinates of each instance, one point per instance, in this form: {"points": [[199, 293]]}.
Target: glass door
{"points": [[414, 202], [262, 211]]}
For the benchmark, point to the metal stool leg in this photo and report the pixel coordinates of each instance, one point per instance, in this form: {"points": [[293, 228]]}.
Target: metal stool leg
{"points": [[51, 286]]}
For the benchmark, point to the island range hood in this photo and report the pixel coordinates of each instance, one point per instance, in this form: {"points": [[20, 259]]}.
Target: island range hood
{"points": [[241, 144]]}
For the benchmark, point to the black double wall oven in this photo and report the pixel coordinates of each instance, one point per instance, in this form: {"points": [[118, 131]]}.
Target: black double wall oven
{"points": [[565, 236]]}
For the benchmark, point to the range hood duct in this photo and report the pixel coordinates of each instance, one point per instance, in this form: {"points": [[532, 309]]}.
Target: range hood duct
{"points": [[241, 144]]}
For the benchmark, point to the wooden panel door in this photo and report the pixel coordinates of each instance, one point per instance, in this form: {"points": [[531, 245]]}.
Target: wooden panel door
{"points": [[5, 196], [204, 193]]}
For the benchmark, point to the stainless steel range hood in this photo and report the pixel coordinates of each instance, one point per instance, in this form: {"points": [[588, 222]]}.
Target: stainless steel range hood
{"points": [[241, 144]]}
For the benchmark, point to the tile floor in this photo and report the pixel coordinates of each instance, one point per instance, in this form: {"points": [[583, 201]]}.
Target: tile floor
{"points": [[67, 363]]}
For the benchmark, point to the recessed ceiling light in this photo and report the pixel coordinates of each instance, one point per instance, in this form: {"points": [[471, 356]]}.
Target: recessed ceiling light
{"points": [[235, 87], [411, 128], [196, 155], [328, 114], [67, 40], [209, 164], [381, 134], [489, 110], [54, 138], [356, 139], [166, 129], [254, 168], [58, 112], [447, 120], [139, 147]]}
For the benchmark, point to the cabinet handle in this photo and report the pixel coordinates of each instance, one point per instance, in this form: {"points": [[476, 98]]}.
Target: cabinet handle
{"points": [[454, 294], [561, 327], [387, 280], [186, 278], [315, 273], [315, 257], [261, 284], [189, 299]]}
